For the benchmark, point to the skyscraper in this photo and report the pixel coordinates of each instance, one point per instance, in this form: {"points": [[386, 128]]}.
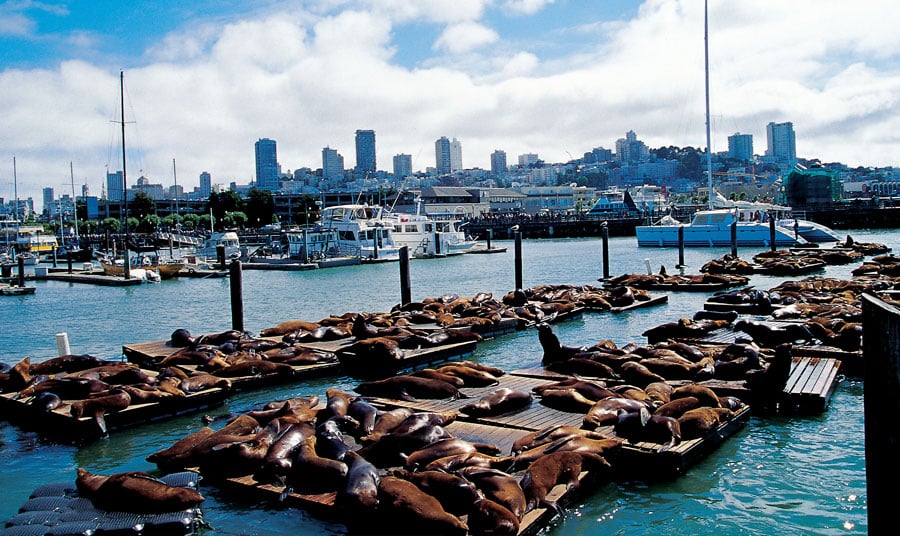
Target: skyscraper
{"points": [[365, 151], [498, 163], [402, 165], [332, 164], [267, 170], [115, 187], [781, 141], [442, 155], [205, 184], [455, 155], [49, 200], [740, 146]]}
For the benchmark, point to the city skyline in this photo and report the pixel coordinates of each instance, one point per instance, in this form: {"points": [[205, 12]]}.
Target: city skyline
{"points": [[204, 80]]}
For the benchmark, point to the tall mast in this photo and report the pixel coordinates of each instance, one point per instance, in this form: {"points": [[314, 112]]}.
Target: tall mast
{"points": [[74, 203], [709, 176], [127, 262], [175, 175], [16, 194]]}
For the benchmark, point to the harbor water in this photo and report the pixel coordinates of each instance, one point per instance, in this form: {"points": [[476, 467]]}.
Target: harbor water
{"points": [[778, 475]]}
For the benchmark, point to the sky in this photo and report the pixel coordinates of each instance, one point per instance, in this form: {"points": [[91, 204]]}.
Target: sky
{"points": [[205, 79]]}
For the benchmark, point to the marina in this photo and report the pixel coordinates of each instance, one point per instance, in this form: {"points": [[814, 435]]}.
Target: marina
{"points": [[543, 264]]}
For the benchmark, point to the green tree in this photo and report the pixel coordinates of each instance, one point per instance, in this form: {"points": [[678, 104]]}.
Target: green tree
{"points": [[142, 205], [112, 225], [222, 202], [192, 221], [235, 219], [259, 207], [149, 223]]}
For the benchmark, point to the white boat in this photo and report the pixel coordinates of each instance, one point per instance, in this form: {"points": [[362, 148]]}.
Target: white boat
{"points": [[228, 239], [784, 219], [426, 236], [361, 232], [713, 227]]}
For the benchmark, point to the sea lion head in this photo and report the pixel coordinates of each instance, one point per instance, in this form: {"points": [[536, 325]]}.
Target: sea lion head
{"points": [[181, 338]]}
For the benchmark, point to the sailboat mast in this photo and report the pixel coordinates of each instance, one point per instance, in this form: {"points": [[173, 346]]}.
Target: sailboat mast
{"points": [[74, 203], [126, 260], [175, 176], [706, 77]]}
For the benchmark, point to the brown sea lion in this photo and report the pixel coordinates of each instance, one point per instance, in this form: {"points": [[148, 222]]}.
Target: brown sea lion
{"points": [[554, 351], [503, 400], [409, 388], [66, 363], [561, 467], [639, 375], [499, 487], [772, 336], [676, 408], [336, 405], [590, 389], [364, 414], [455, 462], [202, 382], [705, 395], [606, 412], [490, 517], [409, 510], [642, 426], [455, 493], [566, 399], [439, 449], [435, 375], [699, 422], [583, 367], [360, 492], [116, 400], [482, 367], [180, 448], [280, 457], [311, 473], [659, 393], [671, 369], [386, 422], [134, 492], [472, 377], [549, 435]]}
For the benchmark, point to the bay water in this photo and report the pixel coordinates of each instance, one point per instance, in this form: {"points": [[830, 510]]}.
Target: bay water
{"points": [[778, 475]]}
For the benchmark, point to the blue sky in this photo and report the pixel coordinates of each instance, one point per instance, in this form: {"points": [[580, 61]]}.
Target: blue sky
{"points": [[205, 79]]}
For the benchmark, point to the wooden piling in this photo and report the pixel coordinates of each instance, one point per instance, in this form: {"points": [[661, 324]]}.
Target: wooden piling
{"points": [[69, 261], [681, 247], [21, 274], [772, 232], [237, 299], [437, 243], [604, 233], [734, 239], [220, 256], [518, 236], [405, 284], [490, 236], [881, 407]]}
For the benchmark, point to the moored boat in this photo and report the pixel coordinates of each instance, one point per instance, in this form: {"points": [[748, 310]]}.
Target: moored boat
{"points": [[361, 232]]}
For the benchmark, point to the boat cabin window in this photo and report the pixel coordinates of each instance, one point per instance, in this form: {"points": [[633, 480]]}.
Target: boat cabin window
{"points": [[347, 235], [412, 228], [429, 227]]}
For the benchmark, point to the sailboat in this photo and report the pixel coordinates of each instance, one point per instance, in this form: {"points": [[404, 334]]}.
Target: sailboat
{"points": [[713, 227]]}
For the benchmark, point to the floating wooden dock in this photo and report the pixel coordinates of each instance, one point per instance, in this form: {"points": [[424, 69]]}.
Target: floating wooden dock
{"points": [[89, 278], [61, 425]]}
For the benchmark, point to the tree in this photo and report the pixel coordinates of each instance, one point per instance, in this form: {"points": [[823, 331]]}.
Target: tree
{"points": [[222, 202], [112, 225], [142, 205], [148, 223], [260, 207], [192, 221], [234, 219]]}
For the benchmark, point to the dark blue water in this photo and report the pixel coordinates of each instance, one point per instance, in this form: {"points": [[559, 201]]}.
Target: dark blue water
{"points": [[778, 475]]}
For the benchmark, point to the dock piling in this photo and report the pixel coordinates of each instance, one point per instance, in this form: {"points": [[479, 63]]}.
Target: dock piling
{"points": [[734, 239], [237, 291], [405, 285], [880, 407], [647, 264], [69, 261], [518, 236], [604, 233], [772, 232], [220, 256], [681, 247], [490, 236], [21, 274], [62, 344]]}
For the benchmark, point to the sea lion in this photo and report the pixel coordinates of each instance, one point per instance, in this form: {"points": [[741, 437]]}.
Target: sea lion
{"points": [[364, 414], [549, 435], [280, 457], [659, 393], [455, 493], [179, 448], [767, 385], [771, 336], [386, 422], [642, 426], [676, 408], [566, 399], [490, 517], [134, 492], [336, 405], [595, 390], [499, 487], [439, 449], [409, 510], [606, 412], [360, 492], [472, 377], [608, 447], [181, 338], [482, 367], [409, 388], [330, 441], [435, 375], [311, 473], [556, 468], [202, 382], [503, 400], [699, 422], [98, 407], [730, 316], [455, 462], [670, 369], [46, 401], [639, 375], [192, 452], [66, 363], [581, 366], [289, 326], [706, 396], [554, 351]]}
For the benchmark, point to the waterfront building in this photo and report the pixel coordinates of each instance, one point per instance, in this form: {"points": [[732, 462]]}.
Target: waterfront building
{"points": [[498, 163], [268, 172], [442, 155], [630, 150], [205, 185], [455, 156], [740, 146], [402, 166], [781, 141], [332, 164], [365, 151]]}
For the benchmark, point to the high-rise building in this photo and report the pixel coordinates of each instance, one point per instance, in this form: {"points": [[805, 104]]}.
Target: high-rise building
{"points": [[332, 164], [49, 200], [205, 184], [782, 143], [402, 165], [442, 155], [498, 163], [267, 170], [528, 159], [455, 156], [740, 146], [630, 150], [365, 151], [115, 187]]}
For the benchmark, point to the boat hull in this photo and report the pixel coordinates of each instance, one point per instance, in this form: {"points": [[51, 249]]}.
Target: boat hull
{"points": [[748, 235]]}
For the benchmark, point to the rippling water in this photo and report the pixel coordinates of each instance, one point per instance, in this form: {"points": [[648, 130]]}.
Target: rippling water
{"points": [[777, 475]]}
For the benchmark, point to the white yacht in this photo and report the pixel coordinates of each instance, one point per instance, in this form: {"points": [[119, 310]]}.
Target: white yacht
{"points": [[429, 237], [228, 239], [712, 228], [361, 232]]}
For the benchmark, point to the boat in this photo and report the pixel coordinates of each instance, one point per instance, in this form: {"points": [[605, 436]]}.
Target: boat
{"points": [[143, 267], [429, 236], [228, 239], [784, 216], [713, 227], [33, 242], [361, 232]]}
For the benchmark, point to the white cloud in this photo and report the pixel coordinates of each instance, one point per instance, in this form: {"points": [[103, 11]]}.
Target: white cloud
{"points": [[310, 80], [15, 24], [526, 7], [465, 37]]}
